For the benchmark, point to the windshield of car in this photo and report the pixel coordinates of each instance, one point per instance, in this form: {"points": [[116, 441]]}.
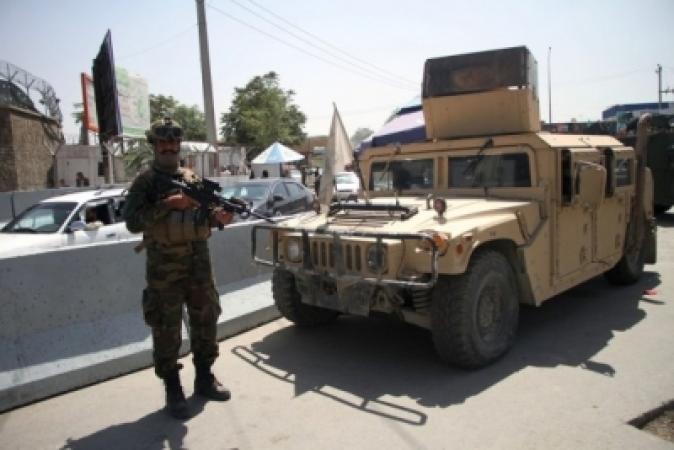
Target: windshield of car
{"points": [[508, 170], [346, 178], [250, 192], [402, 174], [41, 218]]}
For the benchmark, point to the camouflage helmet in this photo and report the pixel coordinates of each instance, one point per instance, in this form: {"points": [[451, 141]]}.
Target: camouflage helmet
{"points": [[165, 129]]}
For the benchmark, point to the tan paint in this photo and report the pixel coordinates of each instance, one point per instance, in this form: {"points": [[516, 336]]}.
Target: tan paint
{"points": [[562, 244], [568, 226]]}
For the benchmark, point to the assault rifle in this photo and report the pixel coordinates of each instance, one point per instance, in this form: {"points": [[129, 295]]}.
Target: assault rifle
{"points": [[205, 192]]}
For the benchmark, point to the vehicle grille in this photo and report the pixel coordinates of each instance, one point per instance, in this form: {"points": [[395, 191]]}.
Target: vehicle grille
{"points": [[323, 256]]}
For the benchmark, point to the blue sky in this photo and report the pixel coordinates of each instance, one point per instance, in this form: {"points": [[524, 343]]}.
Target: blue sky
{"points": [[603, 52]]}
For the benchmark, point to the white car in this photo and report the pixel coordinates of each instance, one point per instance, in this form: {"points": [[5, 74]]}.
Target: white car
{"points": [[347, 185], [79, 218]]}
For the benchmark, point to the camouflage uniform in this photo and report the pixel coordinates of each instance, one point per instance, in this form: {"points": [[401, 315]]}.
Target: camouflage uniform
{"points": [[178, 271]]}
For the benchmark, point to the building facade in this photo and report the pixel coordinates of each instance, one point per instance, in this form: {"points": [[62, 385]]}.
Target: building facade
{"points": [[29, 142]]}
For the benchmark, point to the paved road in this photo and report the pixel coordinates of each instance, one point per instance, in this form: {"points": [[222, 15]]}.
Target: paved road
{"points": [[583, 365]]}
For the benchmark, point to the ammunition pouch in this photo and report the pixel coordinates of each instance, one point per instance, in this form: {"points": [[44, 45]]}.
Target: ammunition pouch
{"points": [[179, 227]]}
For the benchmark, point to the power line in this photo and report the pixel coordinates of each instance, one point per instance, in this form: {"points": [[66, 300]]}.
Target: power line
{"points": [[159, 44], [300, 49], [359, 62], [355, 112]]}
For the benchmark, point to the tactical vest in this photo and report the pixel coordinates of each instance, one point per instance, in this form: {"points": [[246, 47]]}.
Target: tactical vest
{"points": [[179, 227]]}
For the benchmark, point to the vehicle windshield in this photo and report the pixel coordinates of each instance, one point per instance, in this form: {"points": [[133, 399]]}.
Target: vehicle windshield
{"points": [[41, 218], [346, 178], [251, 192], [508, 170], [402, 174]]}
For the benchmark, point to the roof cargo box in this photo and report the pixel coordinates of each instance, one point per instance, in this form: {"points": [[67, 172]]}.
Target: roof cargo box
{"points": [[484, 93]]}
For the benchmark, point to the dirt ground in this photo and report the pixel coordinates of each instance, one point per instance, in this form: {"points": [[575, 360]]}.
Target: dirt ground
{"points": [[662, 426]]}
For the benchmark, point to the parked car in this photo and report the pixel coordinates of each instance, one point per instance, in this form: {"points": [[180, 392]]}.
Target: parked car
{"points": [[83, 217], [272, 196], [347, 185]]}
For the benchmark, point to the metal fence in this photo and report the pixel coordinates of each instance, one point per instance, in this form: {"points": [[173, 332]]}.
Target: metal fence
{"points": [[33, 86]]}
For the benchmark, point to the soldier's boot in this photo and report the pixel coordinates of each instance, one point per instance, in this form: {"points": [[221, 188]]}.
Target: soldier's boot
{"points": [[206, 385], [176, 405]]}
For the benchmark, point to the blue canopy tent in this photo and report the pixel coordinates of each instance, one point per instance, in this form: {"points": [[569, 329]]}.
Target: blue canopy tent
{"points": [[277, 153], [272, 158]]}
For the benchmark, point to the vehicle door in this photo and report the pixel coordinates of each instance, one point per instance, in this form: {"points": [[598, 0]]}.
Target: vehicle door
{"points": [[612, 215], [280, 200], [296, 200], [574, 220], [100, 227]]}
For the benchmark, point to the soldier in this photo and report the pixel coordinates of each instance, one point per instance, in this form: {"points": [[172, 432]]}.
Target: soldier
{"points": [[178, 269]]}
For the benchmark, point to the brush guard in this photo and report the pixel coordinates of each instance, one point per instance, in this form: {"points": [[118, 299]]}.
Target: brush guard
{"points": [[307, 267]]}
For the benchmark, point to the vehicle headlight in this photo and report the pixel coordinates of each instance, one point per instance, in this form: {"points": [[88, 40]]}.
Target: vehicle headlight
{"points": [[293, 250], [376, 258]]}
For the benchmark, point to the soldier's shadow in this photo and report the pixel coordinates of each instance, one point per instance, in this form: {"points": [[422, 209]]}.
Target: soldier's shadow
{"points": [[374, 358], [156, 430]]}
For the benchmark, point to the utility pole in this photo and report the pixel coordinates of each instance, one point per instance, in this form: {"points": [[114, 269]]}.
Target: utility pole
{"points": [[659, 72], [206, 78], [549, 87]]}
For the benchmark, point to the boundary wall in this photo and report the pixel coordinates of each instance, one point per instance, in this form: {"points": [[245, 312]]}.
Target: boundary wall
{"points": [[72, 317]]}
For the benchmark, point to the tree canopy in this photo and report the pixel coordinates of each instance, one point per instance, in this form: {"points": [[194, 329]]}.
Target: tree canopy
{"points": [[262, 113], [190, 118], [360, 135]]}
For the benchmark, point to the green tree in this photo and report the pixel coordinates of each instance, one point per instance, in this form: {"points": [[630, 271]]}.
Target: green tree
{"points": [[359, 136], [190, 118], [193, 122], [138, 155], [78, 115], [262, 113]]}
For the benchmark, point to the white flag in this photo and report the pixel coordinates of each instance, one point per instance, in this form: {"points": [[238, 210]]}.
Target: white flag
{"points": [[338, 155]]}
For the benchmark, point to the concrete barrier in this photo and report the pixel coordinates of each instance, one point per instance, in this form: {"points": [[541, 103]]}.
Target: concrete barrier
{"points": [[71, 318]]}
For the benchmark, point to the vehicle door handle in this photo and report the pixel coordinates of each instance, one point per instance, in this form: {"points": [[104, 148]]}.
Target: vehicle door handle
{"points": [[111, 235]]}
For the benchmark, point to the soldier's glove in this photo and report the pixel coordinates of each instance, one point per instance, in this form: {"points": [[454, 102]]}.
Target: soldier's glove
{"points": [[180, 201], [223, 217]]}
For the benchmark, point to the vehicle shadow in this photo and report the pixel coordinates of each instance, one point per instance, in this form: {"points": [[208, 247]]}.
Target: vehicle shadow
{"points": [[156, 430], [666, 219], [374, 358]]}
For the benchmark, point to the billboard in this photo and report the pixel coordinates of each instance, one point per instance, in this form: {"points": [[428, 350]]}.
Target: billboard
{"points": [[89, 118], [122, 100], [133, 99], [105, 90]]}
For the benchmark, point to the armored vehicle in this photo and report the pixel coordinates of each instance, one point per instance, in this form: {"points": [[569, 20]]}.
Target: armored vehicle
{"points": [[660, 149], [454, 233]]}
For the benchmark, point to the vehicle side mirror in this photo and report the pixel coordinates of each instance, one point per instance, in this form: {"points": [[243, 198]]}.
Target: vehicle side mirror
{"points": [[591, 184], [76, 225], [278, 198]]}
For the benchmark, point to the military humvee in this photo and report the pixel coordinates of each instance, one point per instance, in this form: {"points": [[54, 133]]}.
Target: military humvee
{"points": [[453, 233], [660, 150]]}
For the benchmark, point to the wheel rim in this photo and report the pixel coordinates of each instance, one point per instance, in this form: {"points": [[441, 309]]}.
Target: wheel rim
{"points": [[490, 311]]}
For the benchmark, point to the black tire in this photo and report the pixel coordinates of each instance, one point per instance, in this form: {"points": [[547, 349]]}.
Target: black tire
{"points": [[474, 316], [628, 270], [660, 209], [289, 302]]}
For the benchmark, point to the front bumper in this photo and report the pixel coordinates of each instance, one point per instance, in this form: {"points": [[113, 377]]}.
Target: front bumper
{"points": [[338, 269]]}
